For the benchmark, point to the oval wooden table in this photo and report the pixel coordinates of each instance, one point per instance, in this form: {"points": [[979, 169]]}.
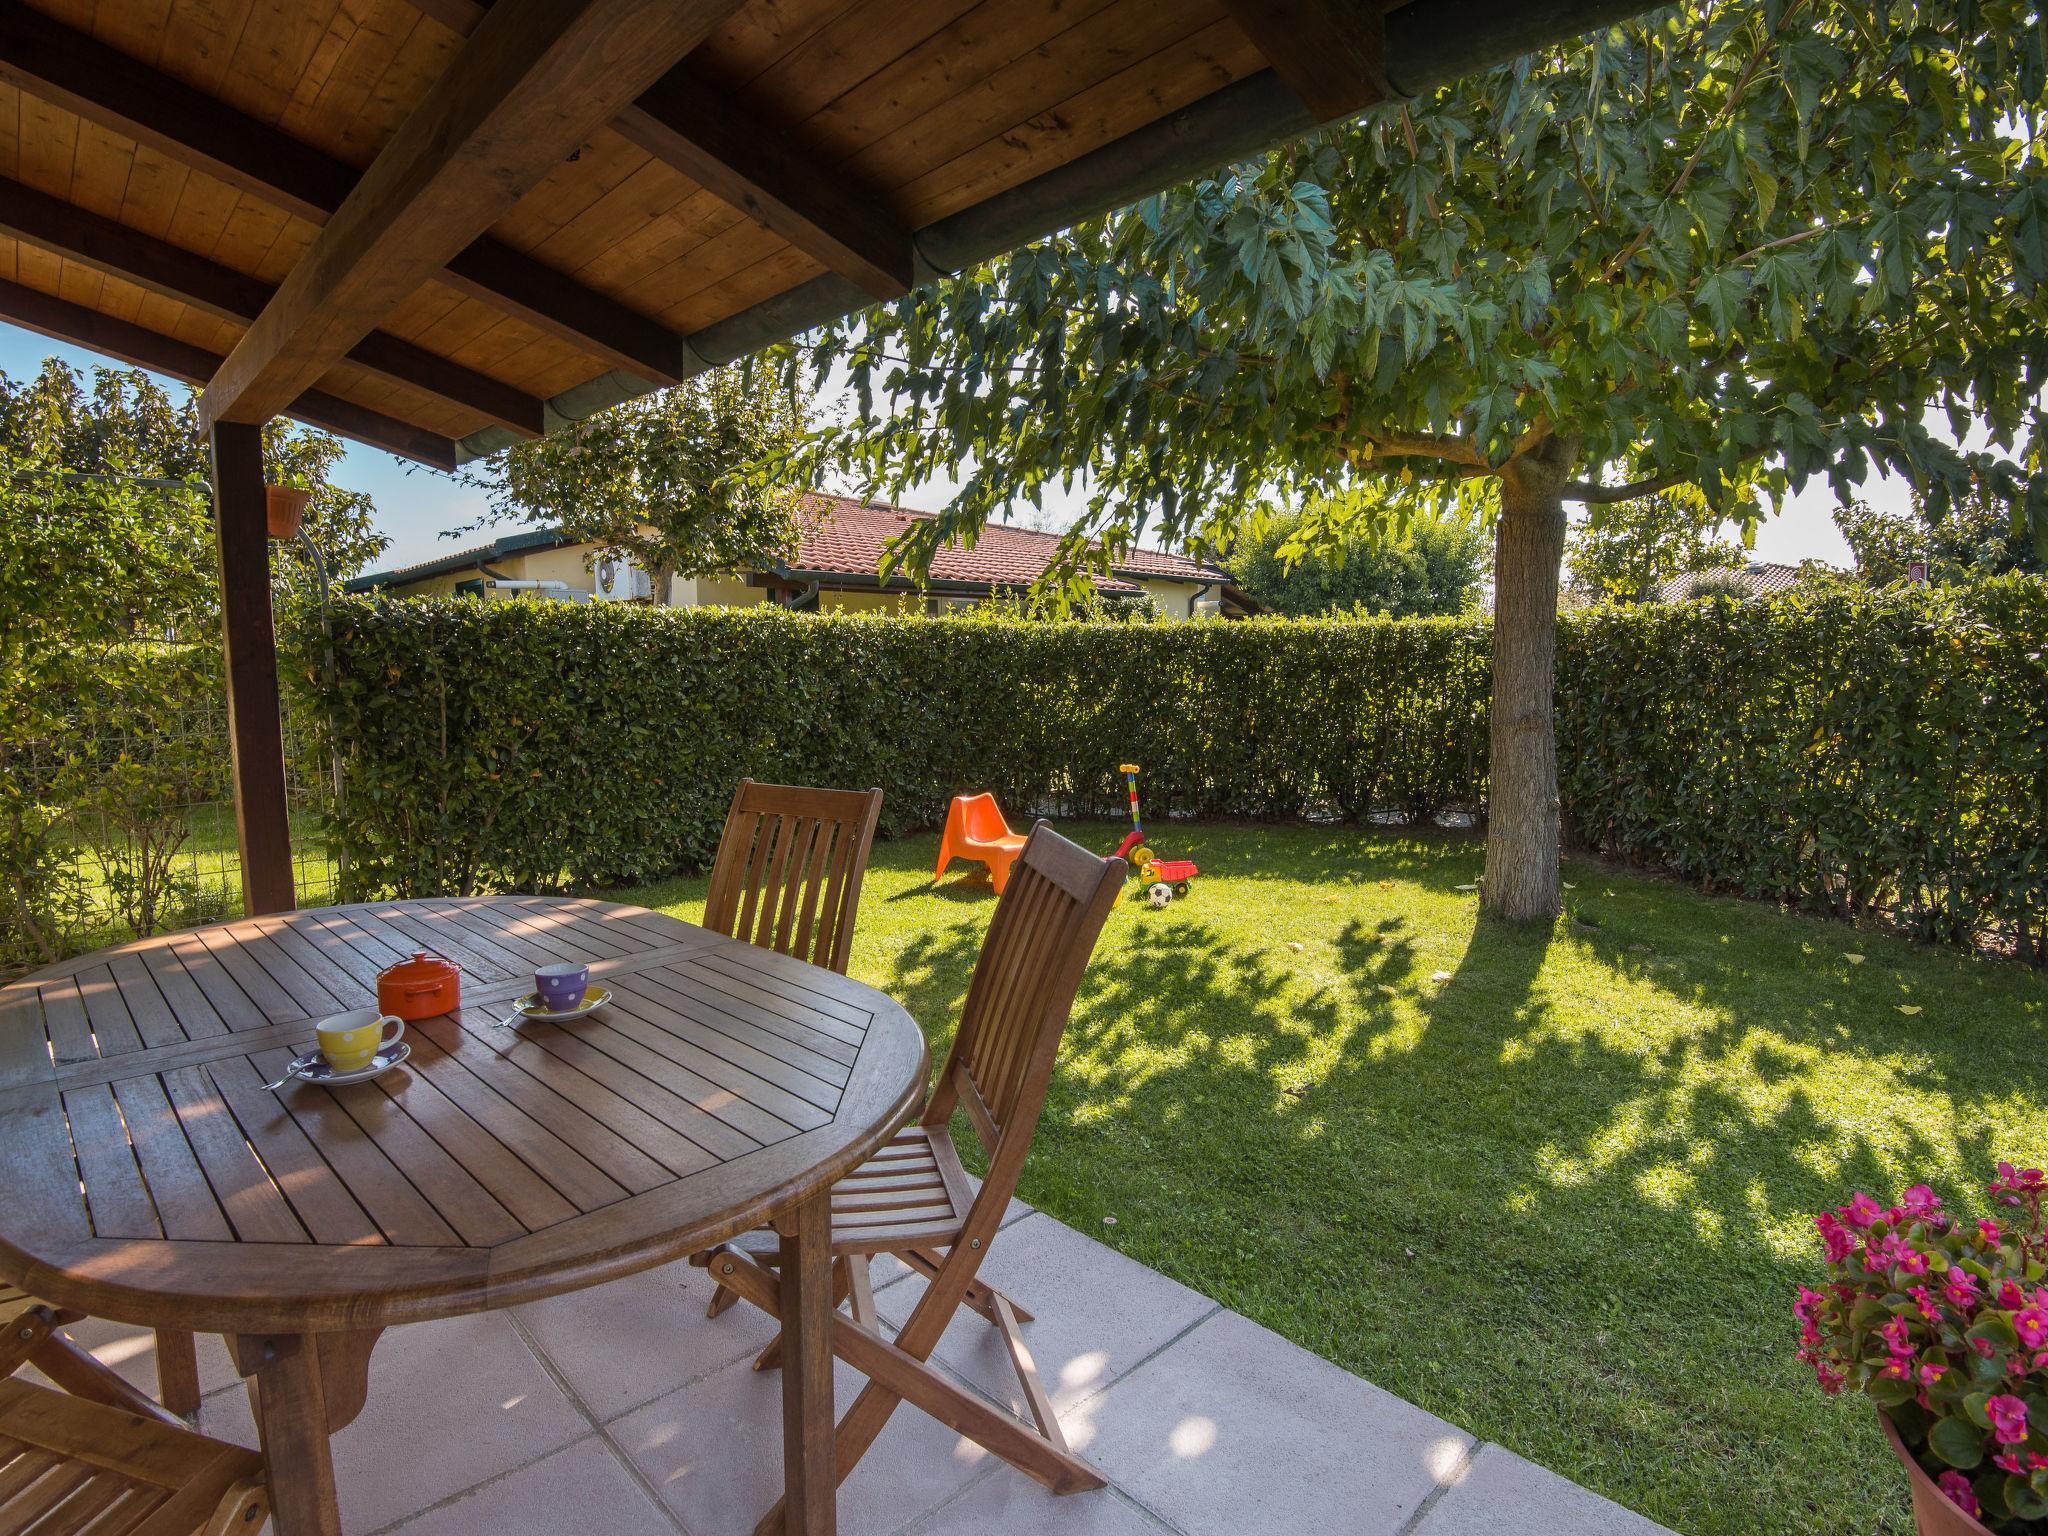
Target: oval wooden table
{"points": [[151, 1178]]}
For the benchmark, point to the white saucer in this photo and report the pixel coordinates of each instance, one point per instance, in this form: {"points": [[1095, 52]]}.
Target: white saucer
{"points": [[530, 1007], [313, 1068]]}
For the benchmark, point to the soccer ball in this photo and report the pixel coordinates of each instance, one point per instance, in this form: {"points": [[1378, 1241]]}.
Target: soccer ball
{"points": [[1160, 894]]}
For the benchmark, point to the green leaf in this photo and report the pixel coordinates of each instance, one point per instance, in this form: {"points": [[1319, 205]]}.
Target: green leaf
{"points": [[1956, 1442]]}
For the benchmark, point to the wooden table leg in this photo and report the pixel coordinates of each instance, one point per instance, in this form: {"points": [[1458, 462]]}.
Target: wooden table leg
{"points": [[810, 1482], [291, 1418]]}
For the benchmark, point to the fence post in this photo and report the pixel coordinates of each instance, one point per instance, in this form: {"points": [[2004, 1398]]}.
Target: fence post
{"points": [[255, 730]]}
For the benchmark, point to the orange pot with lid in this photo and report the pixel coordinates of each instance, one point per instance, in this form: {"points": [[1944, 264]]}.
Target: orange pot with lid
{"points": [[419, 988]]}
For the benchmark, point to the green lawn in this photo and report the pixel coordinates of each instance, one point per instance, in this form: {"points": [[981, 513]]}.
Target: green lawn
{"points": [[1553, 1186]]}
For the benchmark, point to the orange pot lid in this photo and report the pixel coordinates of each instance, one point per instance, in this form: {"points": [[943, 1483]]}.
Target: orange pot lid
{"points": [[423, 966]]}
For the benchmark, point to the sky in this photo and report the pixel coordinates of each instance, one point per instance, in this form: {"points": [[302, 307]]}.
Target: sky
{"points": [[415, 506]]}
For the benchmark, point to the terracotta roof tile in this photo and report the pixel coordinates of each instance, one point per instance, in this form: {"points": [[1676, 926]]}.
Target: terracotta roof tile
{"points": [[844, 536]]}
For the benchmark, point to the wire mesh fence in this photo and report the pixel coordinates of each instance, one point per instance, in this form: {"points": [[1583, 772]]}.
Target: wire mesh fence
{"points": [[134, 808]]}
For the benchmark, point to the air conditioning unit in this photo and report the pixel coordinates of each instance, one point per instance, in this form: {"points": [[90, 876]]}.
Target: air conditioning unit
{"points": [[619, 580]]}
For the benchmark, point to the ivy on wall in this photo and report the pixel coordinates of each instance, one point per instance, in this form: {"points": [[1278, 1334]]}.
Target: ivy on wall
{"points": [[1830, 748]]}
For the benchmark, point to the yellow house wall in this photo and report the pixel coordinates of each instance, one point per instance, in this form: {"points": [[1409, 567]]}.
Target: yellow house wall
{"points": [[1174, 598]]}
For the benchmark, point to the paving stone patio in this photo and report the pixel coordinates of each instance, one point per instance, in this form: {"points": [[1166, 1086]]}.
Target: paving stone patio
{"points": [[624, 1410]]}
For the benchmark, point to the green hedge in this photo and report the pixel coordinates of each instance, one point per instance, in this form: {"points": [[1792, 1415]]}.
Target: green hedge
{"points": [[527, 744], [1830, 748], [1837, 749]]}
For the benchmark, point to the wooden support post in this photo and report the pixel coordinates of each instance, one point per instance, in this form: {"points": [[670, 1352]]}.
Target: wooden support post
{"points": [[255, 730], [809, 1483]]}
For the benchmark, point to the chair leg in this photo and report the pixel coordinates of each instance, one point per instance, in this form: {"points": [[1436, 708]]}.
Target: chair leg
{"points": [[722, 1300], [982, 1298], [771, 1356], [177, 1372]]}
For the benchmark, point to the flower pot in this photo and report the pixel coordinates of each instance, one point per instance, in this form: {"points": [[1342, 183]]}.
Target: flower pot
{"points": [[284, 508], [1934, 1513]]}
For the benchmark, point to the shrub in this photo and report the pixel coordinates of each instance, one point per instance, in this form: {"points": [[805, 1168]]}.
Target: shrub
{"points": [[1849, 751], [1943, 1323], [535, 745]]}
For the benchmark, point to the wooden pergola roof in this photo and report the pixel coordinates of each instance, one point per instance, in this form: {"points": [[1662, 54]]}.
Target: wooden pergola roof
{"points": [[436, 226]]}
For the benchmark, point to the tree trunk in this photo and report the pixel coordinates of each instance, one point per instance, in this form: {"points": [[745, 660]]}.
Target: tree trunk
{"points": [[1521, 798]]}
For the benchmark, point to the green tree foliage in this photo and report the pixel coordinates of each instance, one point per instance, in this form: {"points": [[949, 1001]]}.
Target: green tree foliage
{"points": [[121, 423], [109, 608], [1732, 244], [1432, 567], [660, 478], [1975, 539], [1624, 551]]}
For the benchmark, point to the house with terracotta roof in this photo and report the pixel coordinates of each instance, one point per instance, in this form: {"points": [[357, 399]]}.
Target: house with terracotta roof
{"points": [[1761, 578], [833, 569]]}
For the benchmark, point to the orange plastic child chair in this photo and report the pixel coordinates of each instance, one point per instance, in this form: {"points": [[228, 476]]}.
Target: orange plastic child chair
{"points": [[975, 830]]}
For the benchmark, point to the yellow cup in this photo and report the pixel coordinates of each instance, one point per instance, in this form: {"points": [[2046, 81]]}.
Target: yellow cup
{"points": [[350, 1041]]}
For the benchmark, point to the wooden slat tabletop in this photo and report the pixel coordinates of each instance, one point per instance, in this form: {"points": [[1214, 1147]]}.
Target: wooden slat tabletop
{"points": [[153, 1179]]}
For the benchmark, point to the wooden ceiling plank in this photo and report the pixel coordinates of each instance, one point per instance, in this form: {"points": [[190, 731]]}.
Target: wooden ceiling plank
{"points": [[687, 120], [1099, 46], [995, 34], [774, 177], [49, 63], [53, 317], [1331, 53], [1169, 80], [535, 78], [107, 246]]}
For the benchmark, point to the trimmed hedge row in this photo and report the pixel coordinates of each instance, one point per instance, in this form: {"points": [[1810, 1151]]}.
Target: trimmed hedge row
{"points": [[1838, 749], [1831, 748]]}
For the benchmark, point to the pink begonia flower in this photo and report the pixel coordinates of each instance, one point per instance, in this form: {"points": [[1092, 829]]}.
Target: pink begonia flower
{"points": [[1983, 1347], [2008, 1419], [1923, 1298], [2010, 1296], [1930, 1374], [1893, 1253], [1861, 1210], [1960, 1290], [2007, 1461], [1831, 1378], [1806, 1307], [1920, 1203], [1835, 1237], [1990, 1231], [1960, 1493], [2032, 1325], [1897, 1334]]}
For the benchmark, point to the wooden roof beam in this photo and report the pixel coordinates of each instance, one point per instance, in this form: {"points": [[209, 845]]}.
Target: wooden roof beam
{"points": [[692, 123], [111, 247], [534, 80], [1330, 53], [103, 85], [61, 320]]}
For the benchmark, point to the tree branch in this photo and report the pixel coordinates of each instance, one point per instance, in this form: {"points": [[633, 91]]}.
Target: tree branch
{"points": [[1601, 495]]}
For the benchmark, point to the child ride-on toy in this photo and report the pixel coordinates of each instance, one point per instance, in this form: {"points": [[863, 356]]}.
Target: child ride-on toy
{"points": [[1160, 879]]}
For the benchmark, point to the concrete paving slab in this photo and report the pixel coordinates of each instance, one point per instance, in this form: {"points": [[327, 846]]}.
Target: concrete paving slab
{"points": [[1500, 1491], [1007, 1503], [452, 1404], [1234, 1429], [627, 1343], [585, 1487], [713, 1451], [1096, 1313]]}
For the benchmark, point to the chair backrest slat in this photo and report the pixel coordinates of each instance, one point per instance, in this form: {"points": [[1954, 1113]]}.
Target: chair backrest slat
{"points": [[789, 869], [1038, 944]]}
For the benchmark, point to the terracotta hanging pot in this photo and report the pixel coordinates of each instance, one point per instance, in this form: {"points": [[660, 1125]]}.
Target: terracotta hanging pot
{"points": [[1934, 1513], [284, 508]]}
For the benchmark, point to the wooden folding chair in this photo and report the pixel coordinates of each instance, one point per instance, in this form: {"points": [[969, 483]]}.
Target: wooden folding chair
{"points": [[789, 869], [913, 1199], [108, 1461], [55, 1354]]}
